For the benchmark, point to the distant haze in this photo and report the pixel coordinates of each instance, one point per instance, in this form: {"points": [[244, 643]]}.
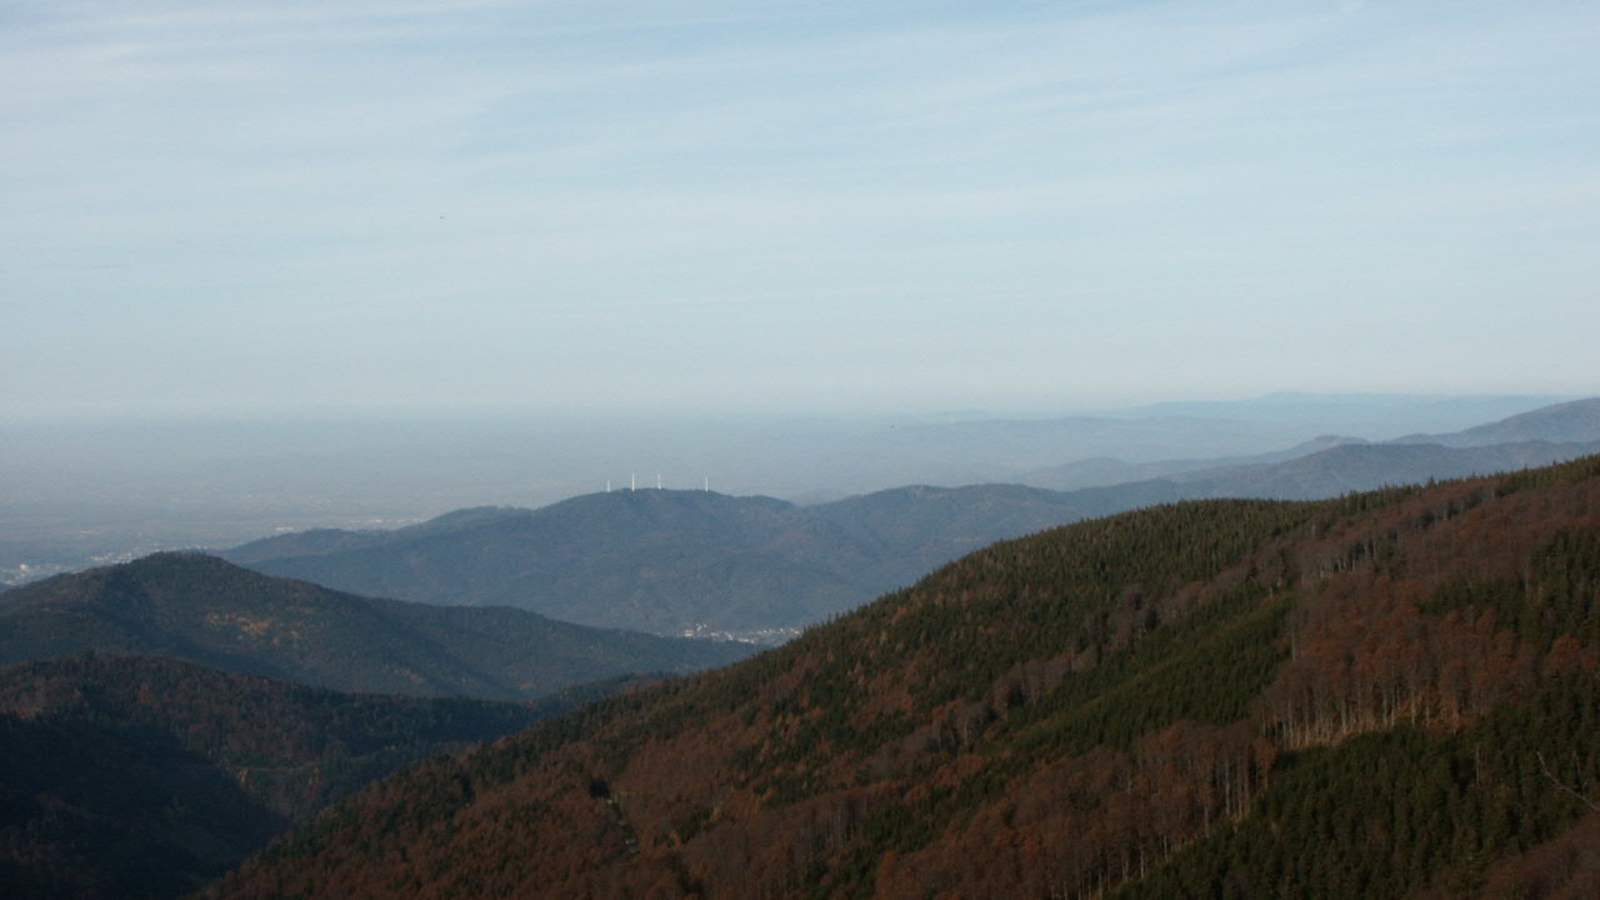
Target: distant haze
{"points": [[70, 491], [716, 208]]}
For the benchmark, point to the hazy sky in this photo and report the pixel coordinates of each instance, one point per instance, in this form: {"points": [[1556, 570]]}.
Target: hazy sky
{"points": [[272, 206]]}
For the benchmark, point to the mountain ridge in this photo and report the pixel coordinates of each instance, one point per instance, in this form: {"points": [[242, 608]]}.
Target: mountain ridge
{"points": [[674, 561], [1187, 700], [1575, 421], [1107, 471], [203, 609]]}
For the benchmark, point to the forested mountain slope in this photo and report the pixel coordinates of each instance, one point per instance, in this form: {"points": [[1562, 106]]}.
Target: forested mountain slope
{"points": [[201, 609], [1376, 696], [135, 777]]}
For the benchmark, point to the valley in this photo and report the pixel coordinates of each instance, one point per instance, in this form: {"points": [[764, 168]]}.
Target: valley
{"points": [[708, 450]]}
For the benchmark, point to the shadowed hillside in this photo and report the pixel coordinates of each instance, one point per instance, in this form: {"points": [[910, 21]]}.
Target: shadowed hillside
{"points": [[1387, 693], [133, 777], [204, 610]]}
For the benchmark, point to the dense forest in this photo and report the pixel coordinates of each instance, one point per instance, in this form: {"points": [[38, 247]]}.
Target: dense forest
{"points": [[132, 777], [1387, 694], [204, 610]]}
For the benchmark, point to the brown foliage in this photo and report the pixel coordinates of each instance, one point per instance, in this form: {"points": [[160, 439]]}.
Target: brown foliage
{"points": [[931, 744]]}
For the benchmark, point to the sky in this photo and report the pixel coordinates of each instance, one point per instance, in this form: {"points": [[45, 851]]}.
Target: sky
{"points": [[258, 208]]}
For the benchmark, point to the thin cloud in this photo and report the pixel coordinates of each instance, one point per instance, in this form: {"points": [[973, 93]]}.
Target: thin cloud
{"points": [[730, 170]]}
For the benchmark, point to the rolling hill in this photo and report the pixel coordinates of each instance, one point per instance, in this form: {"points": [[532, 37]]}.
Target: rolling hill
{"points": [[1360, 467], [666, 561], [202, 609], [136, 777], [1572, 423], [660, 561], [1388, 694], [670, 561], [1563, 423], [1104, 471]]}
